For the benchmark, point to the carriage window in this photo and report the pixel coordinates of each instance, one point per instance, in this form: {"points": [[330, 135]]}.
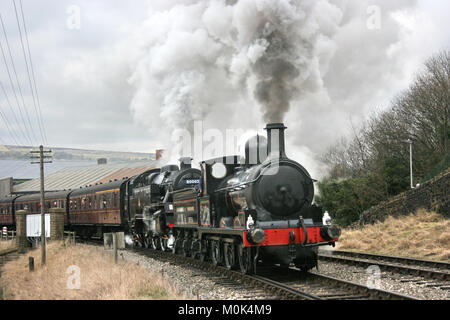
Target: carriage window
{"points": [[114, 195], [95, 202], [103, 202], [90, 202], [108, 200]]}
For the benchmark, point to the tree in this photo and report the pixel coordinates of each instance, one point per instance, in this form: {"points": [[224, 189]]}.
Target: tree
{"points": [[375, 161]]}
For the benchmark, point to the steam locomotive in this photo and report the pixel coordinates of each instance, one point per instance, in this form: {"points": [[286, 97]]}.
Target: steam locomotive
{"points": [[235, 212]]}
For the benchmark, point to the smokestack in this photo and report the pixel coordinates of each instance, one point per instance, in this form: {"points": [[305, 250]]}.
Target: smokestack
{"points": [[185, 163], [275, 137]]}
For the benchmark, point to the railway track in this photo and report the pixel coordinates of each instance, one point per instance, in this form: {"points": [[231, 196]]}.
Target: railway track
{"points": [[427, 269], [274, 283]]}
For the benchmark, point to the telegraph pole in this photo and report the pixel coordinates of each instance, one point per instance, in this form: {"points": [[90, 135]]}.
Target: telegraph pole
{"points": [[41, 162]]}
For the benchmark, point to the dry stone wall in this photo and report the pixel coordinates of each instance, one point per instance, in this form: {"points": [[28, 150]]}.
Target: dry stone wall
{"points": [[433, 195]]}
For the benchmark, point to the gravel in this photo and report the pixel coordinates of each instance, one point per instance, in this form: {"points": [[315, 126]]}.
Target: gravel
{"points": [[190, 282], [193, 283], [415, 286]]}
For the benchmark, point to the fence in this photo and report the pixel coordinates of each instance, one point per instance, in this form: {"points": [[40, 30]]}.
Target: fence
{"points": [[69, 237], [7, 235]]}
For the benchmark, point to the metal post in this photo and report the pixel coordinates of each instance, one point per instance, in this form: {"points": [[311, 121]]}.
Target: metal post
{"points": [[409, 141], [410, 163]]}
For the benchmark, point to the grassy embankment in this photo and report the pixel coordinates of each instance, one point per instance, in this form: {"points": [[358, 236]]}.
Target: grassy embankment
{"points": [[423, 235], [100, 278]]}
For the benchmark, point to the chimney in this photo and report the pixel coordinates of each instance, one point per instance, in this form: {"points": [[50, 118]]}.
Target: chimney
{"points": [[185, 163], [275, 140], [102, 161], [159, 154]]}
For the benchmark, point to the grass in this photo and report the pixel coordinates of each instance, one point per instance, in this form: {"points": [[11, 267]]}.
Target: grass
{"points": [[423, 235], [100, 278], [7, 244]]}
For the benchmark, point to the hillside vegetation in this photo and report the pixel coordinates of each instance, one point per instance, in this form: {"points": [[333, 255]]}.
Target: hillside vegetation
{"points": [[373, 164], [423, 235], [100, 278]]}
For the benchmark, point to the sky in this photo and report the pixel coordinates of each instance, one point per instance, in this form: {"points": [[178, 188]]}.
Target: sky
{"points": [[125, 75]]}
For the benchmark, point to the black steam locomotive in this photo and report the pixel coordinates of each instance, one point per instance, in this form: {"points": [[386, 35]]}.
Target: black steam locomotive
{"points": [[242, 213], [235, 212]]}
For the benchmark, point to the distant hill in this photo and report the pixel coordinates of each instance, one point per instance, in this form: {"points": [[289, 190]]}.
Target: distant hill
{"points": [[23, 153]]}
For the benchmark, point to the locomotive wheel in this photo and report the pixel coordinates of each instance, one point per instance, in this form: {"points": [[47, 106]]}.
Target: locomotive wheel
{"points": [[229, 254], [245, 259], [174, 247], [215, 253], [146, 242], [186, 248], [154, 243], [163, 244]]}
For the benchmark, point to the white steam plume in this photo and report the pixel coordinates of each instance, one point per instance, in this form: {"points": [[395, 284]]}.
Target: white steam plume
{"points": [[240, 64], [210, 60]]}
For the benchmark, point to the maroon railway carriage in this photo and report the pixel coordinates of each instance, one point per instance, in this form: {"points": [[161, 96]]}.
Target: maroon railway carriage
{"points": [[97, 209], [7, 212], [32, 202]]}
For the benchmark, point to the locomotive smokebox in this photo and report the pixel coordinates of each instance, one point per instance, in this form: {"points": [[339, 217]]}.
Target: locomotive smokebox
{"points": [[275, 137], [278, 188]]}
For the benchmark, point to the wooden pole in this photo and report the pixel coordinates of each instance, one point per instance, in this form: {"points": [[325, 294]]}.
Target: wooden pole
{"points": [[41, 164], [31, 263], [43, 253]]}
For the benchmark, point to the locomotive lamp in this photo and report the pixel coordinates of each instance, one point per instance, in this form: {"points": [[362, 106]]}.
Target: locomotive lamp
{"points": [[330, 232], [256, 236]]}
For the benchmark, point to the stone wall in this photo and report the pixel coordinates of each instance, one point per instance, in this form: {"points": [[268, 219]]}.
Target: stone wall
{"points": [[432, 195]]}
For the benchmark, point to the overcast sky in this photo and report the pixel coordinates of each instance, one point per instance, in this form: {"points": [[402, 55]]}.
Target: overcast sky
{"points": [[83, 71]]}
